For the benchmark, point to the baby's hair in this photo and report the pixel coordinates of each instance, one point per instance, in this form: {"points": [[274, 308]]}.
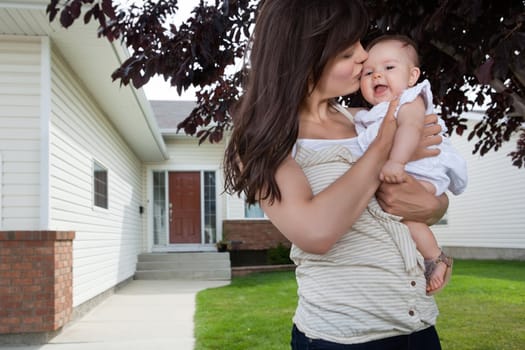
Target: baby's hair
{"points": [[403, 39]]}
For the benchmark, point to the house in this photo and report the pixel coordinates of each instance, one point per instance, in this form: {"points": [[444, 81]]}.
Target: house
{"points": [[93, 175], [486, 221], [74, 181]]}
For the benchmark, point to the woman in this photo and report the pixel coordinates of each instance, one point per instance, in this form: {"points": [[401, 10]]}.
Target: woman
{"points": [[291, 150]]}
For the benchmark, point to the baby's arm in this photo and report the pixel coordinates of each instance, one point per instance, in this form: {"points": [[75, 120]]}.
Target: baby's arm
{"points": [[410, 121]]}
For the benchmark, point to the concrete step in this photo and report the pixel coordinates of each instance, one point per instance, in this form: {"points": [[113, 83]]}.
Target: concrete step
{"points": [[176, 265], [184, 265], [184, 256], [205, 275]]}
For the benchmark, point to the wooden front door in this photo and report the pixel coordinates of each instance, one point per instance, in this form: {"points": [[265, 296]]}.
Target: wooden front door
{"points": [[185, 207]]}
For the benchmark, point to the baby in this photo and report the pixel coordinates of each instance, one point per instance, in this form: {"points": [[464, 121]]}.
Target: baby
{"points": [[390, 71]]}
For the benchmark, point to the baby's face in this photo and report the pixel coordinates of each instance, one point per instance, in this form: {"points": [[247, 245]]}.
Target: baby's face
{"points": [[386, 72]]}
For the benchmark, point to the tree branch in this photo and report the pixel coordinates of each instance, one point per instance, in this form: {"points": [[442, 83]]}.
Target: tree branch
{"points": [[517, 102]]}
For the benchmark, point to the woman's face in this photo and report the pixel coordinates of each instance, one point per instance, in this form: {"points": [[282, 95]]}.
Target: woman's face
{"points": [[341, 74]]}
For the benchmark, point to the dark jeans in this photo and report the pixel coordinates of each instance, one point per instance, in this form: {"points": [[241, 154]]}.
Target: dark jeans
{"points": [[426, 339]]}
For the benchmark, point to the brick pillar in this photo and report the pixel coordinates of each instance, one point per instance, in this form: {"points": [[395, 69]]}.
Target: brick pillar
{"points": [[36, 281]]}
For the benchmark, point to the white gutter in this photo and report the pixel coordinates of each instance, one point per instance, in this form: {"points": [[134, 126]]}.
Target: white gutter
{"points": [[45, 125], [25, 4]]}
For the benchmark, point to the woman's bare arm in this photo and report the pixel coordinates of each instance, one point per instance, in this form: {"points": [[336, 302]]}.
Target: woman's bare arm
{"points": [[315, 222], [412, 202]]}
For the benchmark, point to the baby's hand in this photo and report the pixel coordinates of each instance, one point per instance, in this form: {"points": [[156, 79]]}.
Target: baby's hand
{"points": [[393, 173]]}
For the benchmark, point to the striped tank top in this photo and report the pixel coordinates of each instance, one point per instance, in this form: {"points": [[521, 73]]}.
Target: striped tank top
{"points": [[370, 285]]}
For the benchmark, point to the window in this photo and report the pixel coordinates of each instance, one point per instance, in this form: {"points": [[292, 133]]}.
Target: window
{"points": [[210, 210], [159, 208], [253, 211], [100, 185]]}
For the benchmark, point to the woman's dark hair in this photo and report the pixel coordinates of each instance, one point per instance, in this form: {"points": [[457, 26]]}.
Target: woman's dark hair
{"points": [[292, 42]]}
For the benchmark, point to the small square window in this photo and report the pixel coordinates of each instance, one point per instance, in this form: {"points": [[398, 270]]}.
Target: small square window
{"points": [[253, 211], [100, 185]]}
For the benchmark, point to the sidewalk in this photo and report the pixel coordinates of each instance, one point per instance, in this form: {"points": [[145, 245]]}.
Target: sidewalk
{"points": [[143, 315]]}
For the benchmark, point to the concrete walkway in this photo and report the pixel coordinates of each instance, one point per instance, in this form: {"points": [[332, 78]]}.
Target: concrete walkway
{"points": [[142, 315]]}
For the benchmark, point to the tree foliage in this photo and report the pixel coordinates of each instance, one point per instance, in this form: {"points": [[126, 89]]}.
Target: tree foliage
{"points": [[472, 53]]}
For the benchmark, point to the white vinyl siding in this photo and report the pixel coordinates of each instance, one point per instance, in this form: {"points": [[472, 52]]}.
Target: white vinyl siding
{"points": [[186, 151], [185, 154], [107, 240], [236, 207], [20, 132], [490, 213]]}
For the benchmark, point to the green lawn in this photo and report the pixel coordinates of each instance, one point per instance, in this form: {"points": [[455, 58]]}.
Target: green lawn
{"points": [[483, 308]]}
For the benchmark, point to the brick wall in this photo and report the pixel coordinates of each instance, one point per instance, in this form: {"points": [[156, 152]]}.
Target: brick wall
{"points": [[254, 234], [36, 281]]}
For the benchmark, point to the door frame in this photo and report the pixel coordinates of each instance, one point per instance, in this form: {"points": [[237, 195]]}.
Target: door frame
{"points": [[218, 209]]}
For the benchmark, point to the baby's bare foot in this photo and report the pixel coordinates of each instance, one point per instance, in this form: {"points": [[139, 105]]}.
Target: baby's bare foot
{"points": [[438, 272], [437, 278]]}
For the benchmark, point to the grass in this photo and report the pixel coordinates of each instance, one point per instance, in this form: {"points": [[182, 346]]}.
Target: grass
{"points": [[483, 308]]}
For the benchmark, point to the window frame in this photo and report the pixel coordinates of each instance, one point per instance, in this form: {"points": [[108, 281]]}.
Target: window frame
{"points": [[96, 168]]}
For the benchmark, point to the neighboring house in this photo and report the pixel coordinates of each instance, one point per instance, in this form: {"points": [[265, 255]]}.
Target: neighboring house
{"points": [[92, 175]]}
